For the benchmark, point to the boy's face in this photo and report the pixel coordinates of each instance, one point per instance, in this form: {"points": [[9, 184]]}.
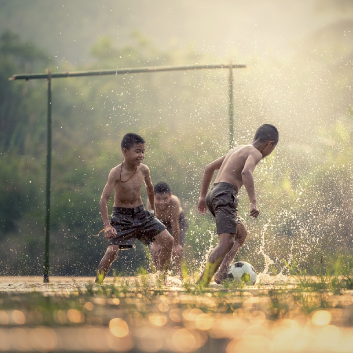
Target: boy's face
{"points": [[270, 146], [135, 154], [162, 200]]}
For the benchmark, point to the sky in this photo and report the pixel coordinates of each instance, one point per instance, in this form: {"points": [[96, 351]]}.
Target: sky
{"points": [[260, 27]]}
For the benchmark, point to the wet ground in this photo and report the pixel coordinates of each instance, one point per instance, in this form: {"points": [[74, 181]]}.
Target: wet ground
{"points": [[143, 314]]}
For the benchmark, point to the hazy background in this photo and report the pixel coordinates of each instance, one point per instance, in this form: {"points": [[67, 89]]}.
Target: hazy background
{"points": [[270, 28], [299, 57]]}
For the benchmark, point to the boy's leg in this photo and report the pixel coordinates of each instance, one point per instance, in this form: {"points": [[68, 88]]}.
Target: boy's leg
{"points": [[161, 250], [225, 243], [104, 266], [228, 259], [178, 253]]}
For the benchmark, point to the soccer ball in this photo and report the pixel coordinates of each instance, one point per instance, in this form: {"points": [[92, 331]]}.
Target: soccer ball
{"points": [[242, 271]]}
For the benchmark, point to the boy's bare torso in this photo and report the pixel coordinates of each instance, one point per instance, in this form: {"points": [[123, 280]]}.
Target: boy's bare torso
{"points": [[127, 192], [174, 208], [233, 165]]}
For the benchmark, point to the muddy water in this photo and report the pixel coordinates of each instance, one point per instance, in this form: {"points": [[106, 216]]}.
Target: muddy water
{"points": [[144, 315]]}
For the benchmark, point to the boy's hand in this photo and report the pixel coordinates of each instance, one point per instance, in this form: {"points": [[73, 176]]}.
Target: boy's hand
{"points": [[110, 232], [254, 212], [201, 206]]}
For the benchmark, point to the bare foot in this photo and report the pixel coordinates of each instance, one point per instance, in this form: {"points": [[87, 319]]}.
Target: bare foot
{"points": [[220, 277]]}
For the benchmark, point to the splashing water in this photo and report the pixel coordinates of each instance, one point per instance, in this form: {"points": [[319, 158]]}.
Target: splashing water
{"points": [[264, 276], [207, 252]]}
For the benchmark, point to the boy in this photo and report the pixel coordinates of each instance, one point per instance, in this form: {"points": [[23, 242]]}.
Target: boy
{"points": [[235, 169], [170, 213], [129, 220]]}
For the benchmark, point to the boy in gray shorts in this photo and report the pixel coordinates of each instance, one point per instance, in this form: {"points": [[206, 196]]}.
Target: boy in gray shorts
{"points": [[235, 170], [170, 213], [130, 221]]}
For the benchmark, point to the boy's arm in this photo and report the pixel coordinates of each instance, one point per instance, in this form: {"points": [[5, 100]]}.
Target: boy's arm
{"points": [[109, 230], [206, 180], [248, 181], [149, 189], [175, 221]]}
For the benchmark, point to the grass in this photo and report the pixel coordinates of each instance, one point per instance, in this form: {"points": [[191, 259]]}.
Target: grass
{"points": [[335, 279], [143, 313]]}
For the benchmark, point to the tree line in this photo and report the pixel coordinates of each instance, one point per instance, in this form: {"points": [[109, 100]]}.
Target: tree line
{"points": [[304, 189]]}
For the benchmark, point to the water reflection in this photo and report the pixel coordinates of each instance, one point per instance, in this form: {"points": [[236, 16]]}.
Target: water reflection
{"points": [[122, 318]]}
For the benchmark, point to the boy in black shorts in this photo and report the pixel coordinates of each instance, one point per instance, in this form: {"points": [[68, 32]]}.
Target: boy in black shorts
{"points": [[170, 213], [235, 169], [129, 220]]}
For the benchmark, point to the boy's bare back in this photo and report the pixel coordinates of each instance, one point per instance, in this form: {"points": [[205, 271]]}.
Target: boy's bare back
{"points": [[234, 162]]}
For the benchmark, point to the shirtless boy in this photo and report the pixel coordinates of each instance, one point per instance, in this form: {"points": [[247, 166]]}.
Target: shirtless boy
{"points": [[235, 170], [170, 213], [129, 220]]}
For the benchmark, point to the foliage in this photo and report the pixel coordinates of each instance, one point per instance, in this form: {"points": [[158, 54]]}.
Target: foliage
{"points": [[303, 190]]}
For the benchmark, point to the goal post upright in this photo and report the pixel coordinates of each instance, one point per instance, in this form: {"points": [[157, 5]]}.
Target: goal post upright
{"points": [[231, 107], [48, 184]]}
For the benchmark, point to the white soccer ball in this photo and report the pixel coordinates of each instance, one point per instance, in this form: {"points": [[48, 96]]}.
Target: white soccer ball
{"points": [[242, 271]]}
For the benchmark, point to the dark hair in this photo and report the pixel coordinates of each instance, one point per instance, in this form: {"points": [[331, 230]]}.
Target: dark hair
{"points": [[162, 187], [131, 139], [266, 132]]}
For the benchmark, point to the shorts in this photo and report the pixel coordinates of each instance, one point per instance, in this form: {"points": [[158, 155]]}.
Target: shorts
{"points": [[134, 223], [183, 227], [222, 202]]}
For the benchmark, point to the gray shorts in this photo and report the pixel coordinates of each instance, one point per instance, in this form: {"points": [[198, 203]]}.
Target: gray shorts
{"points": [[134, 223], [183, 227], [222, 202]]}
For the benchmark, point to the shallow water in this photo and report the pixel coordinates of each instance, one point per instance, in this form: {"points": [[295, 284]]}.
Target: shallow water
{"points": [[144, 314], [69, 284]]}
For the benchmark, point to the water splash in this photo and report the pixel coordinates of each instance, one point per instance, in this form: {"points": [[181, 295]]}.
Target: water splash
{"points": [[264, 276]]}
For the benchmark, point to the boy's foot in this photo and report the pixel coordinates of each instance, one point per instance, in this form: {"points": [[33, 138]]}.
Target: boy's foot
{"points": [[100, 277], [220, 277]]}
